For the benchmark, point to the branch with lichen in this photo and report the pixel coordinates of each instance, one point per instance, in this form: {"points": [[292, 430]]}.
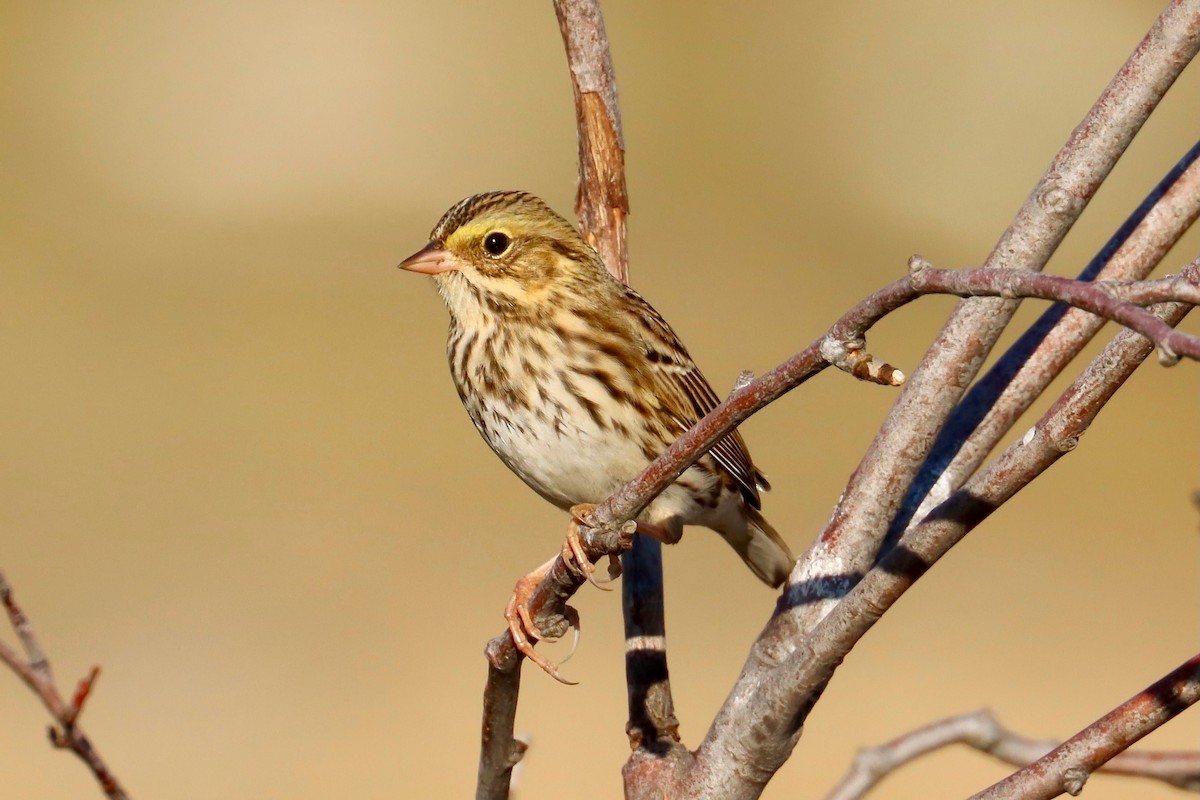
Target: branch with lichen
{"points": [[34, 669]]}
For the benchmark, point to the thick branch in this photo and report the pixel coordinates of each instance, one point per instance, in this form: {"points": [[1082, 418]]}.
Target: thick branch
{"points": [[34, 669], [851, 540], [1068, 766], [995, 402], [983, 732], [786, 672]]}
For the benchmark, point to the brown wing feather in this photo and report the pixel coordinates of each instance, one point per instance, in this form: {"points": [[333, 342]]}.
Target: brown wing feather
{"points": [[688, 396]]}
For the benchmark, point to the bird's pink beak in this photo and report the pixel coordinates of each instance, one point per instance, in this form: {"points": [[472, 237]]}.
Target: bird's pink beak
{"points": [[430, 260]]}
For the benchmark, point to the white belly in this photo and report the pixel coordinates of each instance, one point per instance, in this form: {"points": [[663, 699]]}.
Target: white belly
{"points": [[558, 448]]}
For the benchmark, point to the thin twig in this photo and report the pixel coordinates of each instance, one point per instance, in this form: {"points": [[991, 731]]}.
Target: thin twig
{"points": [[1102, 299], [1068, 766], [983, 732], [34, 669]]}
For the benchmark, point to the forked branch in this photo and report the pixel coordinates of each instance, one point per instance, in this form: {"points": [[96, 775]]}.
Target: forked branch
{"points": [[34, 669], [983, 732], [1067, 767]]}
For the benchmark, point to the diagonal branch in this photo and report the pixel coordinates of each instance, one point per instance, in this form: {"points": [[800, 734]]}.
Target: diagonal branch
{"points": [[983, 732], [996, 401], [1068, 766], [854, 534], [34, 670], [760, 722], [604, 536]]}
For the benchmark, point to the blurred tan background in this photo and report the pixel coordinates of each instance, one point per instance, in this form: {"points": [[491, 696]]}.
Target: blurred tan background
{"points": [[235, 472]]}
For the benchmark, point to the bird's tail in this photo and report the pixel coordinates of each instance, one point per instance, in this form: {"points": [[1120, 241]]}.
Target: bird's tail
{"points": [[761, 547]]}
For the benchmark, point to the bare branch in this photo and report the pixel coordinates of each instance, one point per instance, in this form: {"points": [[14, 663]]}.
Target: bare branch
{"points": [[852, 538], [1068, 766], [1102, 299], [829, 568], [785, 674], [982, 731], [999, 398], [34, 669], [602, 203]]}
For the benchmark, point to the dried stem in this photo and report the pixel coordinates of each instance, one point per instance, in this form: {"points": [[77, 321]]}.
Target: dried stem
{"points": [[982, 731], [1068, 766], [34, 669], [602, 203]]}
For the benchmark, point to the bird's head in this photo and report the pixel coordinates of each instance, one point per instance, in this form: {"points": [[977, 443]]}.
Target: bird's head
{"points": [[504, 249]]}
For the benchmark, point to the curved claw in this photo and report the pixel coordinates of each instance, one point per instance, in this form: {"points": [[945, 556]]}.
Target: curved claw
{"points": [[524, 632], [575, 557], [573, 621]]}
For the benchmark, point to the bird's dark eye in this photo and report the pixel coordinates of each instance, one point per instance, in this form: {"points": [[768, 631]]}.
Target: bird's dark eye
{"points": [[496, 243]]}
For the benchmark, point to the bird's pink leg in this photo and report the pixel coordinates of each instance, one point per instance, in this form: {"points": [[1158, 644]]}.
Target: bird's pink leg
{"points": [[520, 622]]}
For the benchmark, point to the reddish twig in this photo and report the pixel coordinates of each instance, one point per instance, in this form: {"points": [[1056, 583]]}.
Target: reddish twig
{"points": [[34, 669], [1103, 299], [1067, 767], [602, 203], [604, 536], [983, 732]]}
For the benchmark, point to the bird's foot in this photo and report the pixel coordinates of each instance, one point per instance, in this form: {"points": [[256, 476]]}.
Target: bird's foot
{"points": [[573, 553], [523, 630]]}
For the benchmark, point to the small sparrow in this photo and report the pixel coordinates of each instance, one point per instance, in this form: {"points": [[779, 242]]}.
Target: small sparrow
{"points": [[576, 382]]}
